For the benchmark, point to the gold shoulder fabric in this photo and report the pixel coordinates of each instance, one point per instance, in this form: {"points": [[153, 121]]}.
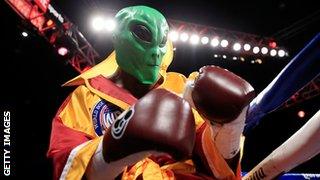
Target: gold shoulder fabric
{"points": [[193, 75], [174, 82], [106, 68]]}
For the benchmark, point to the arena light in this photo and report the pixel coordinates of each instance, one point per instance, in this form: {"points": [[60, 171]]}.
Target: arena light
{"points": [[301, 114], [264, 50], [215, 42], [224, 43], [24, 34], [224, 56], [216, 55], [184, 37], [281, 53], [62, 51], [272, 44], [109, 25], [49, 23], [205, 40], [256, 50], [174, 36], [234, 58], [273, 52], [194, 39], [259, 61], [98, 23], [237, 46], [247, 47]]}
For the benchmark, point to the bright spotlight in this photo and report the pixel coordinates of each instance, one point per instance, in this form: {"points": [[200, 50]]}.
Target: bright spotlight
{"points": [[264, 50], [256, 50], [273, 52], [24, 34], [234, 58], [236, 46], [110, 25], [259, 61], [224, 43], [98, 23], [301, 114], [62, 51], [216, 55], [184, 37], [214, 42], [194, 39], [272, 44], [247, 47], [224, 56], [49, 22], [173, 35], [281, 53], [204, 40]]}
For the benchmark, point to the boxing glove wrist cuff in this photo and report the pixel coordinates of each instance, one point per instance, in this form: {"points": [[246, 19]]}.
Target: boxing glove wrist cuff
{"points": [[227, 136], [98, 168]]}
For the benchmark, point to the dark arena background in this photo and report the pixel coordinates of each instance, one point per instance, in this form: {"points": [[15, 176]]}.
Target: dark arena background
{"points": [[34, 64]]}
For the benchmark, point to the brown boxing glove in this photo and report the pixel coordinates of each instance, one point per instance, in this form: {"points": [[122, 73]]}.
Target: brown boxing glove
{"points": [[222, 98], [160, 121], [219, 95]]}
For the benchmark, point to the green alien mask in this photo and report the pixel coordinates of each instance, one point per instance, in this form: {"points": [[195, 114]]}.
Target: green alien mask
{"points": [[140, 42]]}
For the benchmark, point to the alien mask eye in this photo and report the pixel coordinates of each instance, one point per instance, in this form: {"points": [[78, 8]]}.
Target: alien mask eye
{"points": [[164, 41], [141, 32]]}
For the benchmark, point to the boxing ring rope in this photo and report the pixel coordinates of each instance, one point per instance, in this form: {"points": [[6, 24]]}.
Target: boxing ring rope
{"points": [[305, 64], [293, 176], [303, 145]]}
